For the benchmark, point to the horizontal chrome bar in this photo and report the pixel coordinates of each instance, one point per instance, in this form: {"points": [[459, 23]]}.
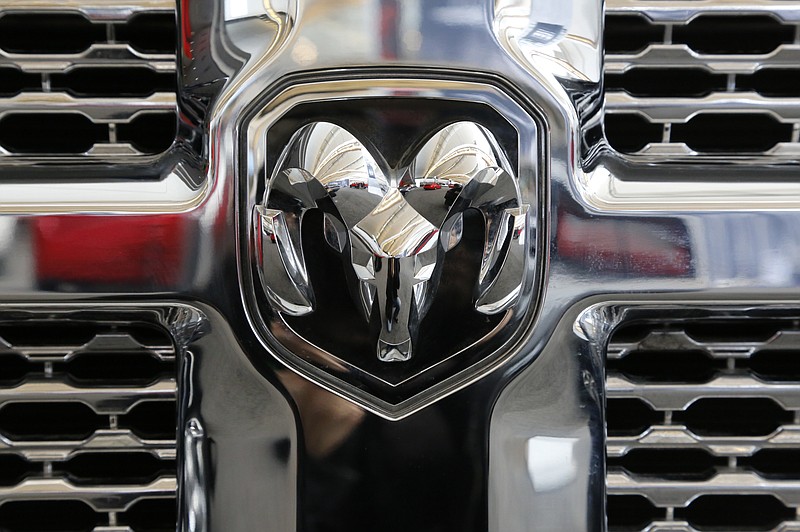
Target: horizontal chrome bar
{"points": [[103, 498], [95, 10], [685, 10], [679, 437], [102, 441], [665, 56], [104, 342], [98, 110], [106, 400], [672, 340], [680, 396], [97, 55], [672, 110], [666, 493], [680, 152]]}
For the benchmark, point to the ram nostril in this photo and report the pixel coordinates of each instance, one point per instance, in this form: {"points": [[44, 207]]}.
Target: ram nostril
{"points": [[394, 353]]}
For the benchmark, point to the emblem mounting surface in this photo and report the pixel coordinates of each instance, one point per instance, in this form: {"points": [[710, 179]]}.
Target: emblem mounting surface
{"points": [[392, 276]]}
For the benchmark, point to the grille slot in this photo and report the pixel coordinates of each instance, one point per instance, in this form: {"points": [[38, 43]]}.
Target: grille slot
{"points": [[87, 427], [713, 444], [102, 84], [717, 80]]}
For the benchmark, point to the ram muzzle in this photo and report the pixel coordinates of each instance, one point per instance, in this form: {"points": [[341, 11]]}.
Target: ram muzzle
{"points": [[392, 227]]}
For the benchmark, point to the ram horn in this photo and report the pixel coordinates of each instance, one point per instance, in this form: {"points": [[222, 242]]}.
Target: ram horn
{"points": [[320, 158]]}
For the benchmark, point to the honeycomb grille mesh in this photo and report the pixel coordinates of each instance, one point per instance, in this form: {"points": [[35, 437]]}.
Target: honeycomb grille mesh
{"points": [[87, 80], [717, 79], [87, 427], [704, 426]]}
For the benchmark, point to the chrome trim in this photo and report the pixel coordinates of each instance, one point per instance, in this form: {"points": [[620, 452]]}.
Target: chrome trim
{"points": [[103, 400], [97, 55], [100, 498], [681, 56], [670, 110], [677, 437], [99, 10], [103, 440], [682, 11], [98, 110], [682, 493]]}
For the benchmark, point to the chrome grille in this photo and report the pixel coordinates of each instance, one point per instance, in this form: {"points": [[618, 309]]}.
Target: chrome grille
{"points": [[87, 427], [86, 79], [718, 79], [704, 426]]}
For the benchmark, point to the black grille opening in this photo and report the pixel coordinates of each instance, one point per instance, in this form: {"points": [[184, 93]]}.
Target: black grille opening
{"points": [[772, 82], [630, 512], [666, 82], [150, 32], [151, 419], [13, 369], [733, 416], [14, 81], [731, 133], [149, 133], [773, 365], [48, 421], [52, 33], [151, 515], [46, 333], [629, 417], [13, 469], [630, 33], [667, 366], [629, 133], [115, 468], [783, 464], [739, 512], [48, 516], [672, 464], [114, 369], [63, 133], [723, 34], [729, 331], [124, 82]]}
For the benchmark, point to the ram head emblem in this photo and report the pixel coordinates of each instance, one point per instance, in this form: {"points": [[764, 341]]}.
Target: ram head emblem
{"points": [[391, 227]]}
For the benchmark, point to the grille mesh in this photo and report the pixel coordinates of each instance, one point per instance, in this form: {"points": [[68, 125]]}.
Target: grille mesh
{"points": [[704, 426], [91, 79], [717, 79], [87, 427]]}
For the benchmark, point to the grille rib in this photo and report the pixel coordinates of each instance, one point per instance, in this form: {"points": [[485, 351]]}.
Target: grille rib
{"points": [[111, 466], [743, 58], [688, 448], [125, 50]]}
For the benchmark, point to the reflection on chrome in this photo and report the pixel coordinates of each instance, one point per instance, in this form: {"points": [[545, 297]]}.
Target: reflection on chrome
{"points": [[392, 227], [551, 462]]}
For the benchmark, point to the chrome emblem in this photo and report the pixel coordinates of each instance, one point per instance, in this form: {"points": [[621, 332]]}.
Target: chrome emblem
{"points": [[392, 228]]}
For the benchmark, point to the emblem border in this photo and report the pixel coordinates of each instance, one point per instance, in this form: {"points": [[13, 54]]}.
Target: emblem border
{"points": [[533, 168]]}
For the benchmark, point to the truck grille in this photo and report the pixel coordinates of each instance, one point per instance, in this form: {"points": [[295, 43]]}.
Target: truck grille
{"points": [[704, 426], [717, 79], [87, 79], [87, 427]]}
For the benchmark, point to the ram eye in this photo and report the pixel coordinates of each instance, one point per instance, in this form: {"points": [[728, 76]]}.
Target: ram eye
{"points": [[335, 232], [452, 231]]}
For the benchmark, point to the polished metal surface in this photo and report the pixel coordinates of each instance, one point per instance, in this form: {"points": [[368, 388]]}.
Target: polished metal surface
{"points": [[290, 439]]}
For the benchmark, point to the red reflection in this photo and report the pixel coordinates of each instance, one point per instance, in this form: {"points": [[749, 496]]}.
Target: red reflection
{"points": [[94, 250], [650, 247]]}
